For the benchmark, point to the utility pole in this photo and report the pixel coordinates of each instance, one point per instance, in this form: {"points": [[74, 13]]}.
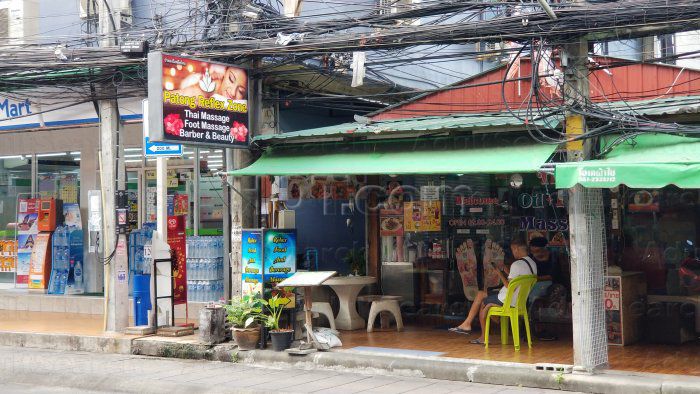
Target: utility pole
{"points": [[112, 174], [242, 197], [586, 225]]}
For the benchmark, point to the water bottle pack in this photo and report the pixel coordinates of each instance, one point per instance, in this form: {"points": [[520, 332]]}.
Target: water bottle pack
{"points": [[205, 268], [139, 261], [66, 261]]}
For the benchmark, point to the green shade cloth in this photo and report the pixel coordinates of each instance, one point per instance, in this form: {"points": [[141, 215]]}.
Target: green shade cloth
{"points": [[434, 156], [648, 161]]}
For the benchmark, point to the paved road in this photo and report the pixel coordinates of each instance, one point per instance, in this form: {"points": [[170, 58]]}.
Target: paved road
{"points": [[47, 371]]}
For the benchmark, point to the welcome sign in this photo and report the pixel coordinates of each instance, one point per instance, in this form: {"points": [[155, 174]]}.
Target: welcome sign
{"points": [[197, 102]]}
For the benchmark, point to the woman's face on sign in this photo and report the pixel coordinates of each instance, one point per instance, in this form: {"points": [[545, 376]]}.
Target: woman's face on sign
{"points": [[234, 85]]}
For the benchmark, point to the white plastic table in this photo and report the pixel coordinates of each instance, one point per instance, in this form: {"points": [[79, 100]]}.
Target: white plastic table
{"points": [[347, 288]]}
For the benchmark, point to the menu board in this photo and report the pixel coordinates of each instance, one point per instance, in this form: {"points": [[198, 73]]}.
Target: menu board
{"points": [[422, 216], [251, 255]]}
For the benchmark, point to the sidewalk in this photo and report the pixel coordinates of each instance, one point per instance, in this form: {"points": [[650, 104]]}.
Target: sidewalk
{"points": [[137, 374]]}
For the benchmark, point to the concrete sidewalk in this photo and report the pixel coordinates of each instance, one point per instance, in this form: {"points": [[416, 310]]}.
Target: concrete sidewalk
{"points": [[99, 372], [441, 368]]}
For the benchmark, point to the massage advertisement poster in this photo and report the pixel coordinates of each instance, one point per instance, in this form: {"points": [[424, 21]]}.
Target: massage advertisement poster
{"points": [[252, 262], [197, 102]]}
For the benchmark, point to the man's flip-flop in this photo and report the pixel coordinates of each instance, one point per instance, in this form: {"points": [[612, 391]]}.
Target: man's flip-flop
{"points": [[476, 342], [459, 331]]}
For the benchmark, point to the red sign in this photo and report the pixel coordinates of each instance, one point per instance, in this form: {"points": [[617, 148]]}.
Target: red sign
{"points": [[177, 242]]}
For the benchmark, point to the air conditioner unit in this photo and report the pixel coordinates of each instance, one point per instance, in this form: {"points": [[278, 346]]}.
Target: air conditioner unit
{"points": [[489, 50]]}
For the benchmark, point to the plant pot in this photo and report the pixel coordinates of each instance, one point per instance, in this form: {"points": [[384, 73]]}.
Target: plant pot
{"points": [[246, 338], [282, 339]]}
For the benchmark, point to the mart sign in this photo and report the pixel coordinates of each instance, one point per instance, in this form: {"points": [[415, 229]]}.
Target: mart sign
{"points": [[197, 102]]}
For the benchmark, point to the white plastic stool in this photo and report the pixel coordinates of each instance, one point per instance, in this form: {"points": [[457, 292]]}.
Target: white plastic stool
{"points": [[381, 305], [324, 308]]}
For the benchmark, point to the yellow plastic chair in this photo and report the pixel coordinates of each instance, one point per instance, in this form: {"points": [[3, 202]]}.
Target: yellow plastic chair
{"points": [[506, 312]]}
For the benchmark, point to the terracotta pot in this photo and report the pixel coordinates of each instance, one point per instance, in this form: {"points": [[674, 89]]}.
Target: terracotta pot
{"points": [[246, 338], [281, 340]]}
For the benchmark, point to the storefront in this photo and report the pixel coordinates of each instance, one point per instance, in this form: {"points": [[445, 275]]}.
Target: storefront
{"points": [[433, 209], [62, 164]]}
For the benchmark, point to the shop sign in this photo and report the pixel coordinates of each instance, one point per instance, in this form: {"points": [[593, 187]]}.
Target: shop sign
{"points": [[605, 175], [251, 262], [421, 216], [539, 200], [533, 223], [193, 101], [280, 262]]}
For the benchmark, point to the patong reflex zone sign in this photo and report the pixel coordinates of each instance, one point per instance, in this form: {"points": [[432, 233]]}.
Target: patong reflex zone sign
{"points": [[193, 101]]}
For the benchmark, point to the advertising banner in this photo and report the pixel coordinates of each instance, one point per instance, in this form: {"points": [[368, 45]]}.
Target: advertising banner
{"points": [[40, 262], [280, 261], [27, 230], [252, 262], [177, 242], [197, 102], [422, 216]]}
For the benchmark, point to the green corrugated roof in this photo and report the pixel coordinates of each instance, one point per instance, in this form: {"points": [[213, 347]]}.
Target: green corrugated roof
{"points": [[657, 106], [427, 123]]}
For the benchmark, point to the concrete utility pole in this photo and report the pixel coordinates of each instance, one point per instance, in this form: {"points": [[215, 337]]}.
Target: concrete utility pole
{"points": [[242, 199], [112, 179], [586, 226]]}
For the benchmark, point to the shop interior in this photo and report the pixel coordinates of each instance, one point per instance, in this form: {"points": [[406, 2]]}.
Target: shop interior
{"points": [[425, 238]]}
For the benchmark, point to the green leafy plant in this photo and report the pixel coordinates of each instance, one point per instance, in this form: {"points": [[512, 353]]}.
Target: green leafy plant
{"points": [[355, 259], [244, 311], [275, 305]]}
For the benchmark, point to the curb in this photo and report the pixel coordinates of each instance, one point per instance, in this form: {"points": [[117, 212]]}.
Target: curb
{"points": [[67, 342], [442, 368]]}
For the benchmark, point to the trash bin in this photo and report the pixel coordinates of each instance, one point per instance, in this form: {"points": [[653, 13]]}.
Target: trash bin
{"points": [[142, 299]]}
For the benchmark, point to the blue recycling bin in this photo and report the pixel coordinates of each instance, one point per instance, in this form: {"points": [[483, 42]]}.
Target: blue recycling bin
{"points": [[142, 299]]}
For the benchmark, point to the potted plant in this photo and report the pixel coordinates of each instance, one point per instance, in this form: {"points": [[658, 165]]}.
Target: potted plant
{"points": [[281, 338], [355, 259], [244, 313]]}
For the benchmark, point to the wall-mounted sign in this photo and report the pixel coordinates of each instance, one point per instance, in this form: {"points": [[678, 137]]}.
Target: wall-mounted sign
{"points": [[430, 193], [390, 223], [197, 102]]}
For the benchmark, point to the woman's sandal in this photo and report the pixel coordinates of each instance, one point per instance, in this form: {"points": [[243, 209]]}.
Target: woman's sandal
{"points": [[476, 342], [460, 331]]}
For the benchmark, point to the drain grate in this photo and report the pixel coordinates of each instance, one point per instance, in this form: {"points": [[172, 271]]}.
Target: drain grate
{"points": [[544, 367]]}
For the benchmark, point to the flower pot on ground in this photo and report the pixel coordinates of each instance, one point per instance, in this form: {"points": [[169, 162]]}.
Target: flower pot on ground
{"points": [[281, 338], [244, 313]]}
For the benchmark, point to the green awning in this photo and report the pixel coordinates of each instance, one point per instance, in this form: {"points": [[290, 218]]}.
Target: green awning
{"points": [[433, 156], [647, 161]]}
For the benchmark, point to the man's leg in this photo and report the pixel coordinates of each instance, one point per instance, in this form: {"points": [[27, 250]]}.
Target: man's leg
{"points": [[473, 311], [482, 320]]}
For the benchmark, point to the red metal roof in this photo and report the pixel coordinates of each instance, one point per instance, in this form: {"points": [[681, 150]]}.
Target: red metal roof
{"points": [[483, 93]]}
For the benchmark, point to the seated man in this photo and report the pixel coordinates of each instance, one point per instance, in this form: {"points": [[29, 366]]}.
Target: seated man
{"points": [[523, 265], [545, 267]]}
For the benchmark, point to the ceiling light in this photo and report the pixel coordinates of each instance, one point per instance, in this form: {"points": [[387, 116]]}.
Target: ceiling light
{"points": [[51, 154]]}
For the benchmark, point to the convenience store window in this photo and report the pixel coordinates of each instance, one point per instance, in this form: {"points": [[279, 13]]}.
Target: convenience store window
{"points": [[58, 176], [15, 180], [211, 195]]}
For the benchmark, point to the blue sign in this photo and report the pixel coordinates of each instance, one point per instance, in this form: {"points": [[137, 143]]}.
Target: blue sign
{"points": [[155, 149], [280, 255], [252, 262]]}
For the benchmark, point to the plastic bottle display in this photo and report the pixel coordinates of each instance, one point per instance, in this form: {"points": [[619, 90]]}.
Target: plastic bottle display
{"points": [[66, 261], [139, 259], [205, 268]]}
